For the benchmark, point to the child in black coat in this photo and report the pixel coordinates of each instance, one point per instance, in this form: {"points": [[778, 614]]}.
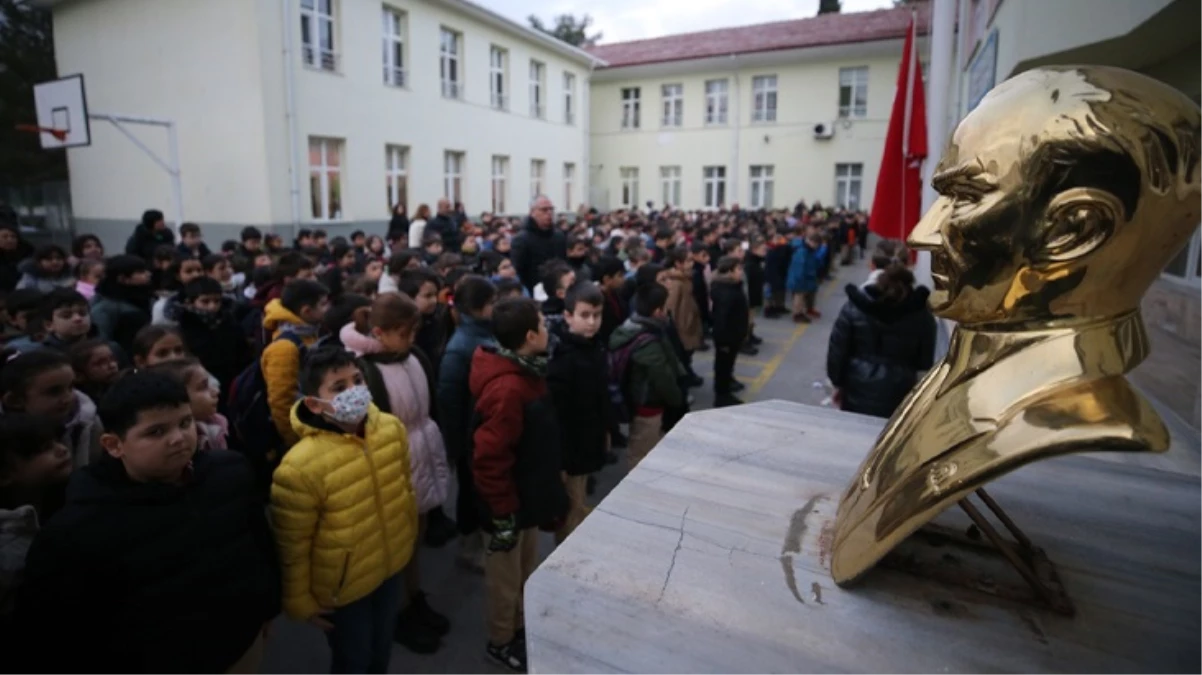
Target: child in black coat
{"points": [[210, 332], [579, 384], [731, 322]]}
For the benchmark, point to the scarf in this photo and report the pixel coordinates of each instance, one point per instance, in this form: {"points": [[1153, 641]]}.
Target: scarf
{"points": [[535, 364]]}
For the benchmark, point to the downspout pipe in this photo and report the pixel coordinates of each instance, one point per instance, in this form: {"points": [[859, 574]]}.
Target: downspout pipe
{"points": [[290, 111], [736, 103]]}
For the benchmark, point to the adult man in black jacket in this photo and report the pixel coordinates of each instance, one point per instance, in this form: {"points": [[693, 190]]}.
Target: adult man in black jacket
{"points": [[444, 226], [538, 242], [149, 235]]}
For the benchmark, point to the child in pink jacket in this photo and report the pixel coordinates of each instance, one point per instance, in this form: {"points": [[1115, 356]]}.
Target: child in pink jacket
{"points": [[399, 377]]}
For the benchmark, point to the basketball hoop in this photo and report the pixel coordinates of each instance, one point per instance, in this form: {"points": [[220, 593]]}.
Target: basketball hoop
{"points": [[59, 134]]}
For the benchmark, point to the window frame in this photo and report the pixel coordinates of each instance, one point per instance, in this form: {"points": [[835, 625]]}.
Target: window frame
{"points": [[396, 24], [498, 77], [853, 74], [538, 174], [714, 198], [569, 98], [631, 98], [538, 87], [396, 172], [500, 183], [762, 186], [673, 105], [855, 176], [628, 181], [764, 91], [717, 103], [452, 180], [317, 23], [669, 184], [329, 204], [569, 180], [450, 62]]}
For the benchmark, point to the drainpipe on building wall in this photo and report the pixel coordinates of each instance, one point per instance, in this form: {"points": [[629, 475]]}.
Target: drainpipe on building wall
{"points": [[732, 197], [290, 113], [942, 37], [586, 169]]}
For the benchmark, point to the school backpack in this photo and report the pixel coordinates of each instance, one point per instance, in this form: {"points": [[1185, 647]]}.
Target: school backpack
{"points": [[254, 432], [618, 363]]}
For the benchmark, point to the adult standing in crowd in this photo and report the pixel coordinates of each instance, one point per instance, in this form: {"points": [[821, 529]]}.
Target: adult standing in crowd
{"points": [[149, 235], [538, 242], [884, 337], [417, 227], [13, 250], [398, 227], [444, 226]]}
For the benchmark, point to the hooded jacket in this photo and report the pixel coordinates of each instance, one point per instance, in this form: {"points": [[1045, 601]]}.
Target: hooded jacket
{"points": [[654, 378], [343, 509], [533, 247], [150, 577], [217, 340], [454, 393], [281, 362], [516, 456], [682, 306], [877, 349], [146, 239], [402, 386], [732, 318], [33, 277], [804, 268], [578, 380], [119, 311]]}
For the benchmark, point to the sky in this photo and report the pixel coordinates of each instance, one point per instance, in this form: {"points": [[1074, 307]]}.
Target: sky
{"points": [[621, 20]]}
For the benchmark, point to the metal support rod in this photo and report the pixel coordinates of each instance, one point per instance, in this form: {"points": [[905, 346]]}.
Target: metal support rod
{"points": [[1019, 564], [170, 165], [177, 186], [1018, 534]]}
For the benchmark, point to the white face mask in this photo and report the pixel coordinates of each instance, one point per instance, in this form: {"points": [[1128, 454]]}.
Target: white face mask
{"points": [[350, 406]]}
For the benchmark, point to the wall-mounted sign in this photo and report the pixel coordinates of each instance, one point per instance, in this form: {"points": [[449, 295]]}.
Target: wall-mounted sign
{"points": [[982, 72]]}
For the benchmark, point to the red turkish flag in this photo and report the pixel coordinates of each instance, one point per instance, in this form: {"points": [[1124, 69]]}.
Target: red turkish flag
{"points": [[896, 206]]}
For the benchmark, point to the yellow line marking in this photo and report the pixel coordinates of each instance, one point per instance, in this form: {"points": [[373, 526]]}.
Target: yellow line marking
{"points": [[770, 369]]}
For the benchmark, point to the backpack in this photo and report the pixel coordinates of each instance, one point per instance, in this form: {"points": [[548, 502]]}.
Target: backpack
{"points": [[250, 417], [618, 365]]}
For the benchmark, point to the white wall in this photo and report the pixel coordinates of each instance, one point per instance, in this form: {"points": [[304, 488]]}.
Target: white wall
{"points": [[196, 64], [804, 167]]}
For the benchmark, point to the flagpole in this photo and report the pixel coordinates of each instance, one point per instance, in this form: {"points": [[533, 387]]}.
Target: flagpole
{"points": [[912, 39]]}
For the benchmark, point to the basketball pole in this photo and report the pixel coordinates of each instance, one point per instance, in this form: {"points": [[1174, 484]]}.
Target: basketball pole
{"points": [[170, 165]]}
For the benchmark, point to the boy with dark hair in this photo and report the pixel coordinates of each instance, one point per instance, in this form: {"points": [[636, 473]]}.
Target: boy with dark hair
{"points": [[731, 322], [611, 274], [191, 244], [701, 291], [557, 277], [578, 250], [66, 317], [21, 307], [651, 383], [291, 321], [516, 467], [304, 239], [123, 299], [431, 248], [342, 548], [578, 380], [161, 560], [252, 244], [663, 241], [320, 240], [510, 288], [210, 332]]}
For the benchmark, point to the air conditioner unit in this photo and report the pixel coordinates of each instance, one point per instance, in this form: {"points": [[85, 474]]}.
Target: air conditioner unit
{"points": [[824, 130]]}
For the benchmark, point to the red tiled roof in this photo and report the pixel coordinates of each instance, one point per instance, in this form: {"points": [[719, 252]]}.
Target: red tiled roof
{"points": [[828, 29]]}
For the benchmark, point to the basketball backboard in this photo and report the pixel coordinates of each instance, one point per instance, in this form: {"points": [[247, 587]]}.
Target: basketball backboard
{"points": [[62, 105]]}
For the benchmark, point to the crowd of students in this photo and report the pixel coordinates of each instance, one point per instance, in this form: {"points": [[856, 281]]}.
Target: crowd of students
{"points": [[195, 440]]}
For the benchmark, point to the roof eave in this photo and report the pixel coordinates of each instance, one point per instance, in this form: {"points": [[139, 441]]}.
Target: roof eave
{"points": [[496, 20]]}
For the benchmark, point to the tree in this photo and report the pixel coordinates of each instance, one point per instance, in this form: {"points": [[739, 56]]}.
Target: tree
{"points": [[829, 7], [26, 58], [905, 3], [568, 29]]}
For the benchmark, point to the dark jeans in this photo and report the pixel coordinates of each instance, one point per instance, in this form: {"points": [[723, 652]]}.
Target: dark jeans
{"points": [[724, 367], [361, 641]]}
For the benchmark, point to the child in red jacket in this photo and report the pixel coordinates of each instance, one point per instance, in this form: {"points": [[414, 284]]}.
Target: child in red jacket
{"points": [[515, 466]]}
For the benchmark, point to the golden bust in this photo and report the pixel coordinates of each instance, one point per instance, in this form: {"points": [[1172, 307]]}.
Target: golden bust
{"points": [[1062, 197]]}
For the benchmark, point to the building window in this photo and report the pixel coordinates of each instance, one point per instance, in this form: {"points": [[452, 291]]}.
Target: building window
{"points": [[396, 161], [452, 176], [569, 99], [669, 182], [569, 180], [761, 187], [394, 47], [853, 92], [630, 186], [630, 108], [317, 34], [848, 180], [538, 169], [763, 98], [500, 173], [498, 65], [673, 95], [448, 63], [538, 107], [714, 186], [325, 178], [1187, 265], [715, 101]]}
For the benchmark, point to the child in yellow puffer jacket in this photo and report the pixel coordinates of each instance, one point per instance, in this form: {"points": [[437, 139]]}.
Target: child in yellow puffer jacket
{"points": [[345, 514], [291, 320]]}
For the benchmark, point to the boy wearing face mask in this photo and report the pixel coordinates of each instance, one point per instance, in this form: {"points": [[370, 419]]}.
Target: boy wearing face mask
{"points": [[345, 514]]}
